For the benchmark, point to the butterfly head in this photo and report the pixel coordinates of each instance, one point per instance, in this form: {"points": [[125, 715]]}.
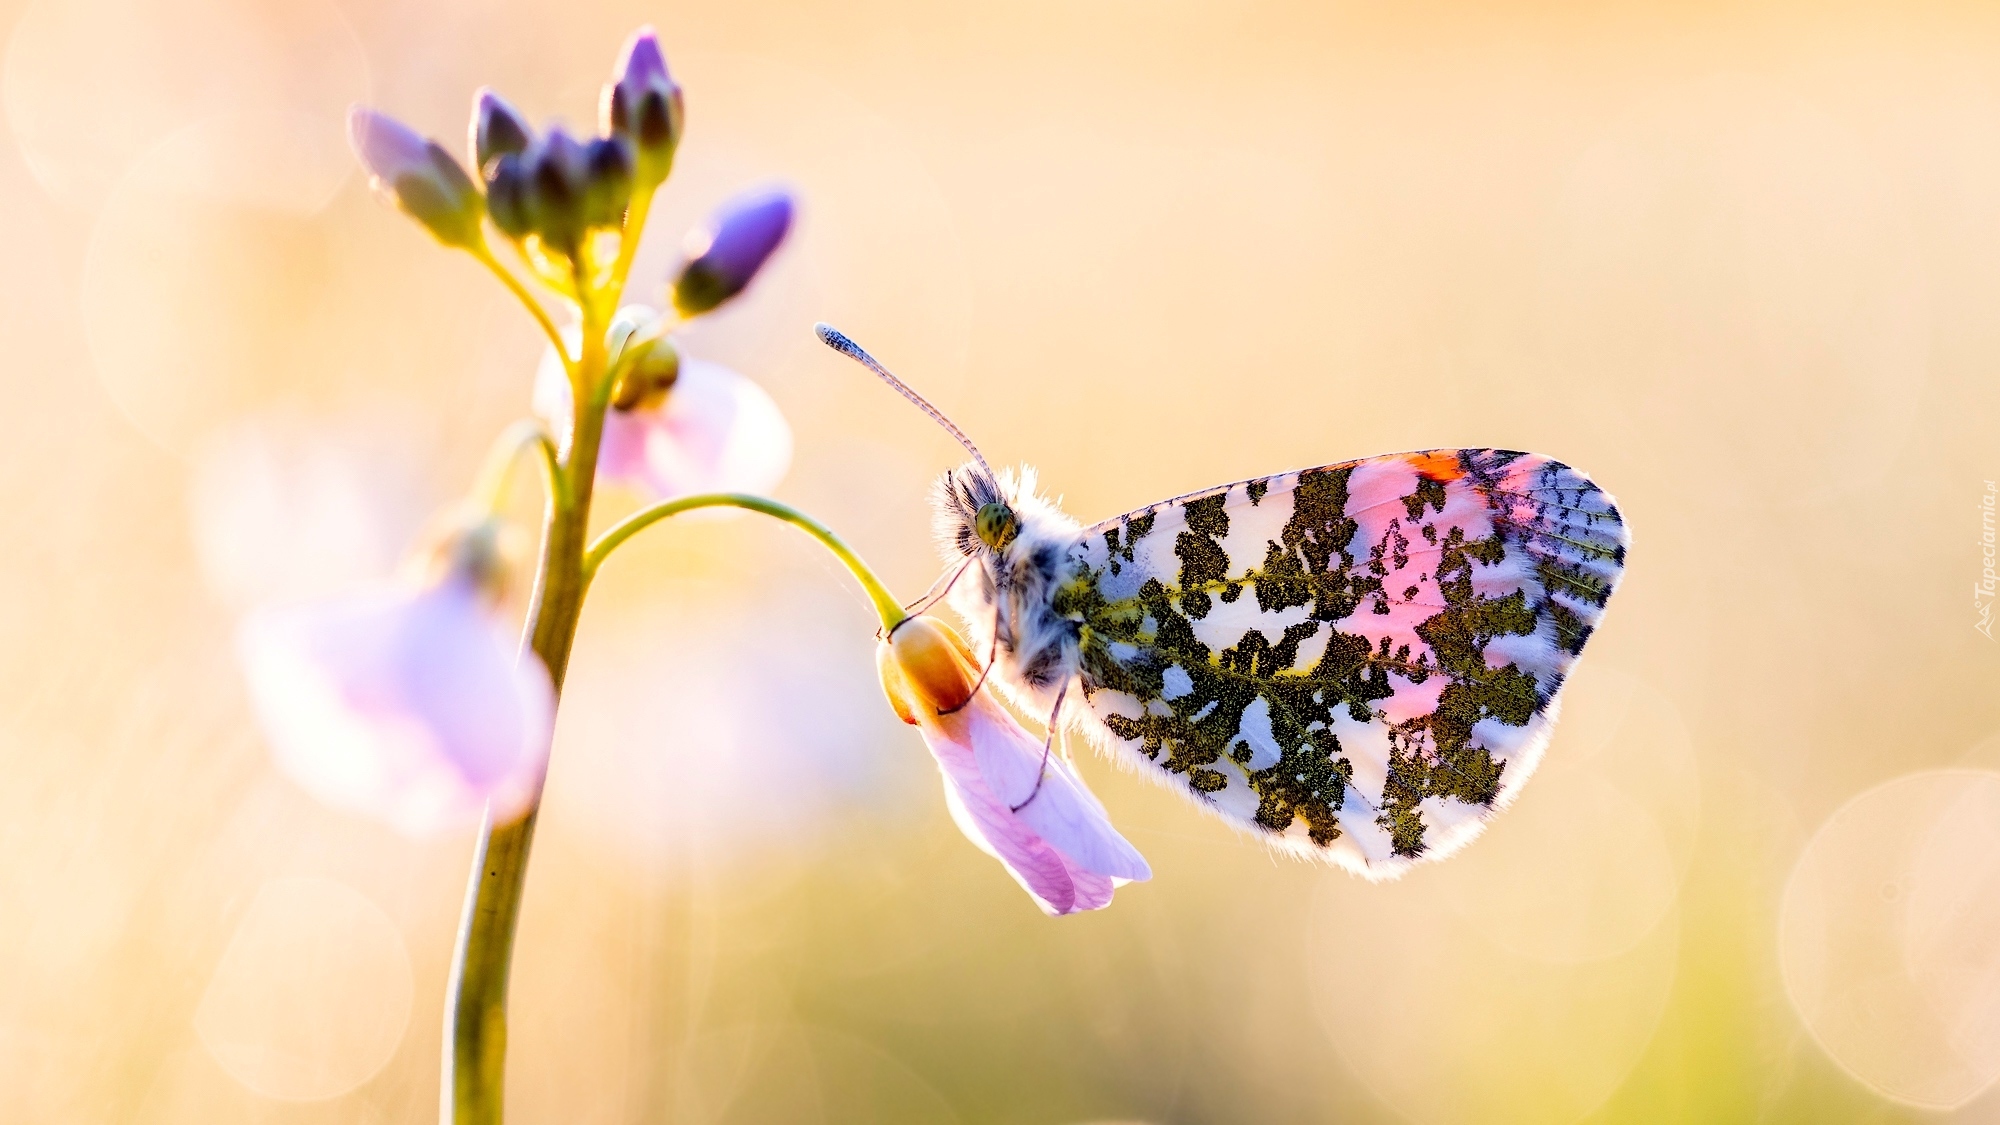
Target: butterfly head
{"points": [[973, 513], [985, 514], [996, 525]]}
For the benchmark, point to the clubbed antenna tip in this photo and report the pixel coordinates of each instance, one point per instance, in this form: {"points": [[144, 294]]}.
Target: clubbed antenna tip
{"points": [[837, 340]]}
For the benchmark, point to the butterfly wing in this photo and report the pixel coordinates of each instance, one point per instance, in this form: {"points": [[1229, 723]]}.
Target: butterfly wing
{"points": [[1359, 661]]}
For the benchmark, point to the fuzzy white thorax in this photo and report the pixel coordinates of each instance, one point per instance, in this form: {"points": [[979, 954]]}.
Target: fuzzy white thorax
{"points": [[1037, 650]]}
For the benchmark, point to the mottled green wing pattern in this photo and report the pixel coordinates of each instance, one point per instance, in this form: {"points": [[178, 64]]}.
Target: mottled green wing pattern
{"points": [[1359, 661]]}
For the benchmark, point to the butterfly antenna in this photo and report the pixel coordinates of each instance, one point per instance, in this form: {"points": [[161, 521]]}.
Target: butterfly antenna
{"points": [[833, 338]]}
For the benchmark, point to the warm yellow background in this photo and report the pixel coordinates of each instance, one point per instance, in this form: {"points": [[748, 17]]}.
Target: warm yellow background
{"points": [[1740, 262]]}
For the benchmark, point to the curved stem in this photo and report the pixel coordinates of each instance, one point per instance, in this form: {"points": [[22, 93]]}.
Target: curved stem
{"points": [[528, 299], [498, 470], [886, 605]]}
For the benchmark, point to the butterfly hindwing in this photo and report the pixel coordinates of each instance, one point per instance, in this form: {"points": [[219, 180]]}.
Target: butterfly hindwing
{"points": [[1359, 660]]}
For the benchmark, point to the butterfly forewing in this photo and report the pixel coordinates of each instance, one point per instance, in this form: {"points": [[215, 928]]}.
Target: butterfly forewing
{"points": [[1359, 660]]}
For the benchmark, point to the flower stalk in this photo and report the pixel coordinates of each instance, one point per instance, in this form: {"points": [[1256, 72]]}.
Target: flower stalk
{"points": [[476, 1018], [884, 603], [358, 697], [476, 1015]]}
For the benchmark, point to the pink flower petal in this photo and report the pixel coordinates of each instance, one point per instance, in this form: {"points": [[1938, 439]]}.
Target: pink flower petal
{"points": [[716, 432], [1093, 892], [1008, 757], [1065, 814], [1061, 809], [1033, 864], [1061, 846], [411, 707], [1016, 802]]}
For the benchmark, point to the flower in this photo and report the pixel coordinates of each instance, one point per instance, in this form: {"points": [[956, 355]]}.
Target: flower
{"points": [[708, 429], [726, 252], [1015, 800], [417, 175], [408, 703], [642, 104]]}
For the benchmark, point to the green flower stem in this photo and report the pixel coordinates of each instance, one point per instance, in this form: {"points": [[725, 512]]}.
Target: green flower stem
{"points": [[886, 605], [533, 304], [475, 1055], [628, 244]]}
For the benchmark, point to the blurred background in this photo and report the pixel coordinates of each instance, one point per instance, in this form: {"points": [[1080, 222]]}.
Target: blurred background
{"points": [[1740, 262]]}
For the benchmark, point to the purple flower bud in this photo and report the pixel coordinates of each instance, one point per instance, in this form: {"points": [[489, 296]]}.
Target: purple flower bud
{"points": [[507, 195], [641, 62], [497, 130], [417, 175], [557, 179], [726, 252], [642, 104], [608, 176], [560, 188], [387, 147]]}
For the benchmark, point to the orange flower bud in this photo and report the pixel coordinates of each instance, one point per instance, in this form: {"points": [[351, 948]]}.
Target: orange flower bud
{"points": [[894, 685], [934, 662]]}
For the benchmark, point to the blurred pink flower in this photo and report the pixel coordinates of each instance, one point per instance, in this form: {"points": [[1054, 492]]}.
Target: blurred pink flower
{"points": [[1017, 803], [408, 704], [712, 431]]}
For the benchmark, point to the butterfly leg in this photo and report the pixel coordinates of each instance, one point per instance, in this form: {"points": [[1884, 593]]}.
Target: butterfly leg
{"points": [[934, 595], [992, 654], [1048, 744]]}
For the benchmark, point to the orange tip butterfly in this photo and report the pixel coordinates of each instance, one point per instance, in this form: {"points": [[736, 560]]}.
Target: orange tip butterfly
{"points": [[1358, 662]]}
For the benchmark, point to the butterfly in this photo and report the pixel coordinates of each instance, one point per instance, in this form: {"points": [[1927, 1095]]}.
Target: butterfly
{"points": [[1359, 662]]}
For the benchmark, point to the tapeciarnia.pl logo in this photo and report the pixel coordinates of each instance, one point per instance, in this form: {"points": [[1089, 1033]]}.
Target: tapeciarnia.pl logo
{"points": [[1988, 585]]}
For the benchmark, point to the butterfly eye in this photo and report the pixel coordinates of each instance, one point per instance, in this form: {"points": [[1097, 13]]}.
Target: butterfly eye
{"points": [[996, 525]]}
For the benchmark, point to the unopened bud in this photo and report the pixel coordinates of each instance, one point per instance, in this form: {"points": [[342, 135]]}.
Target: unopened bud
{"points": [[642, 105], [726, 252], [507, 195], [608, 179], [497, 130], [417, 175], [934, 667], [561, 189], [651, 369], [557, 181]]}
